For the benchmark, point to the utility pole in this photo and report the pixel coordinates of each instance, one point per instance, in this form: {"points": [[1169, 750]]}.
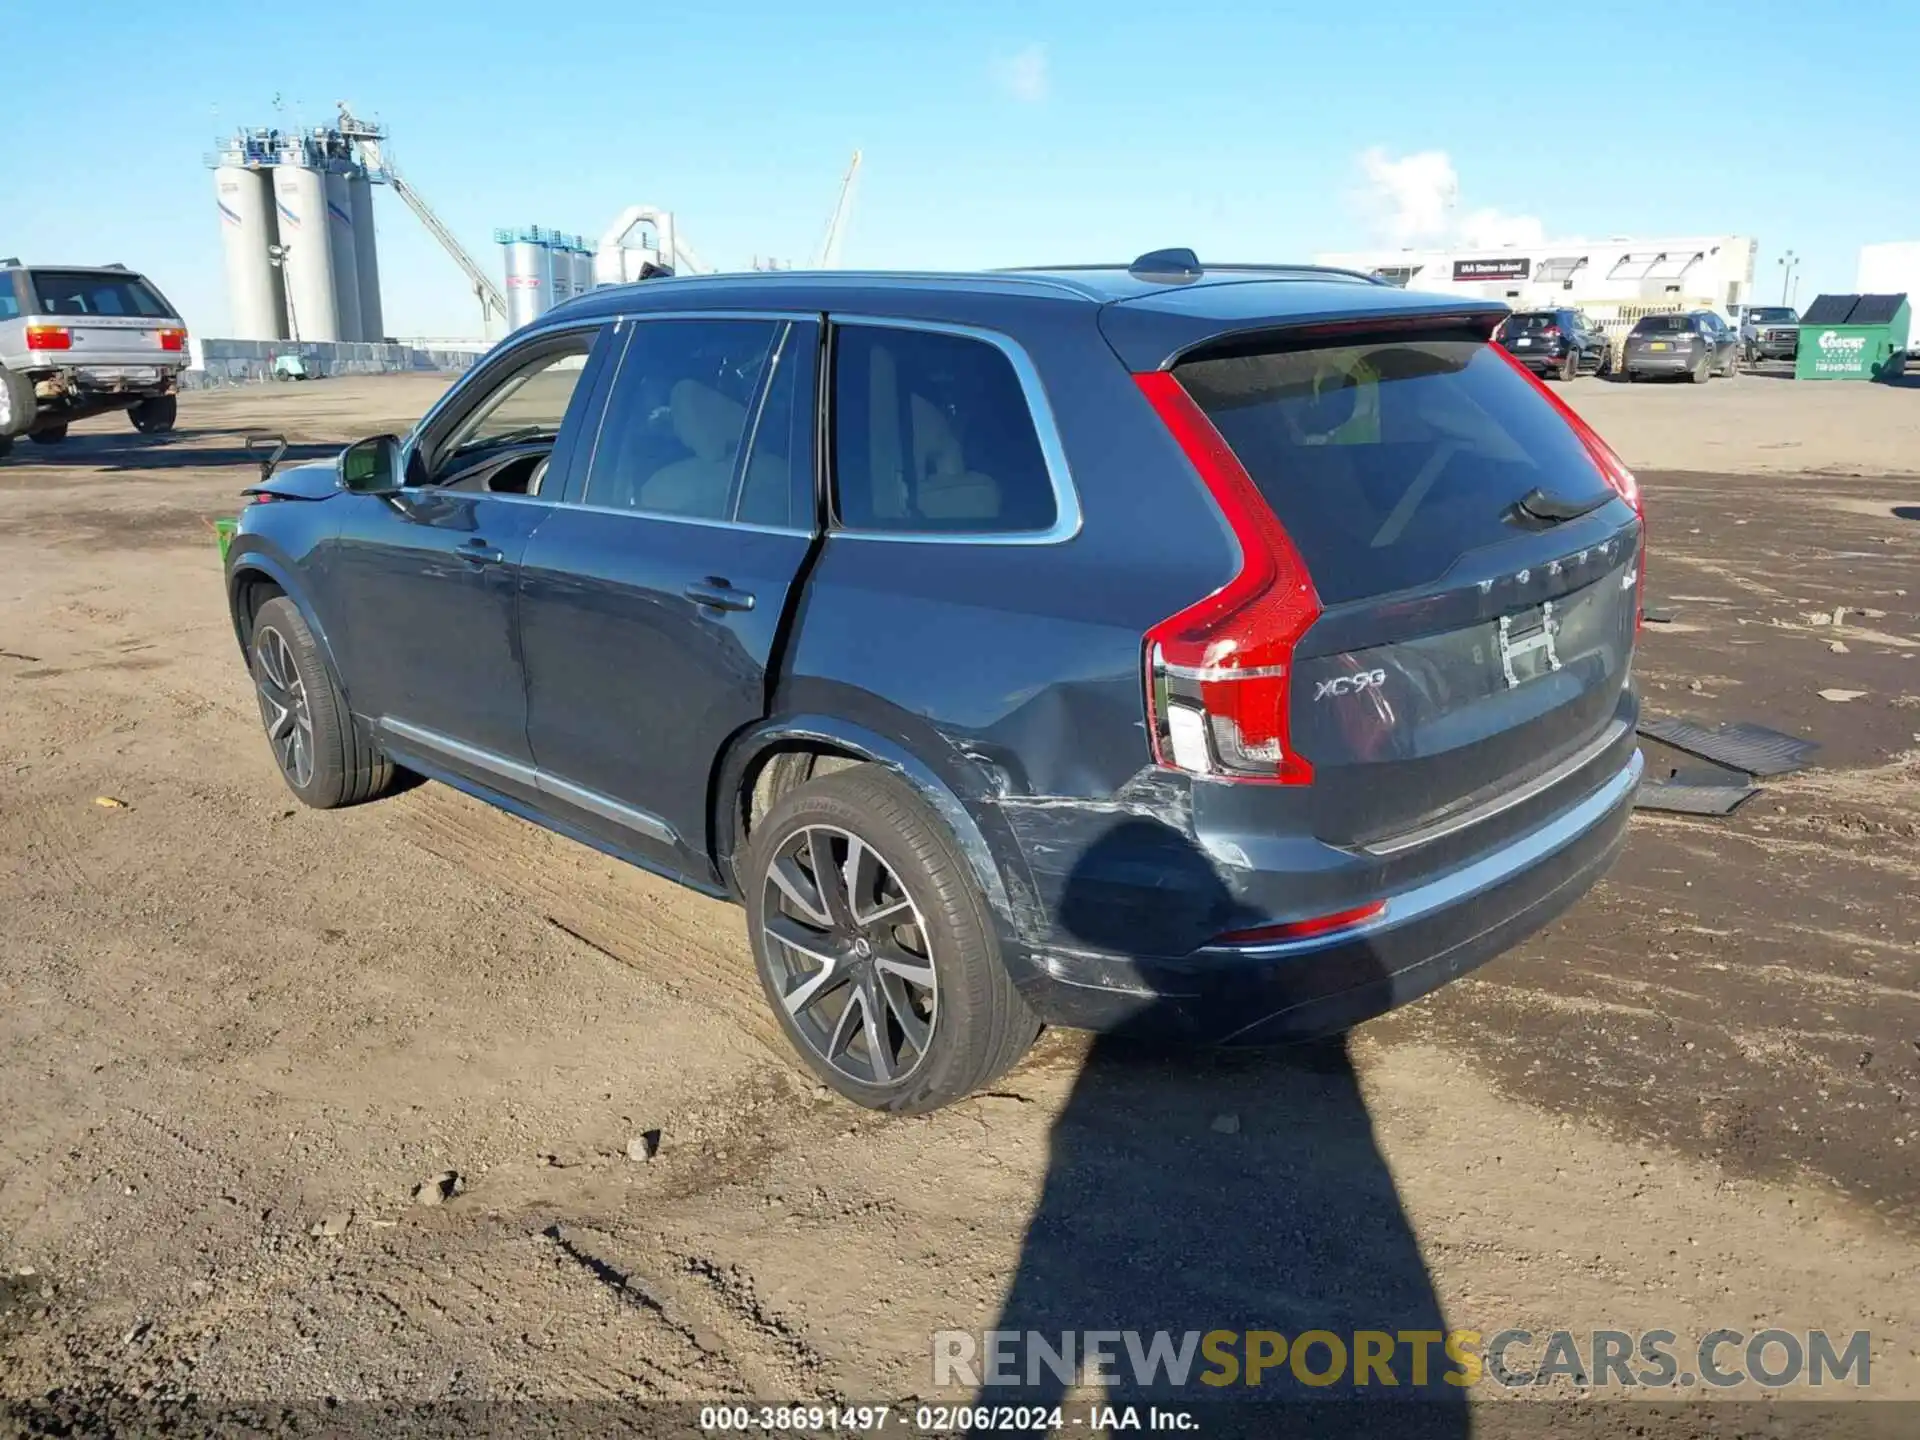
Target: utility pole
{"points": [[277, 257], [1788, 263]]}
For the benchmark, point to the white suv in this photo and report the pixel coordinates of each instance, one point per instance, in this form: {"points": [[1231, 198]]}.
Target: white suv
{"points": [[81, 341]]}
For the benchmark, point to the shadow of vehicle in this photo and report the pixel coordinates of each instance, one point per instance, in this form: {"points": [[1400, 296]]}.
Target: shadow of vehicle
{"points": [[1906, 512], [1198, 1191], [177, 450]]}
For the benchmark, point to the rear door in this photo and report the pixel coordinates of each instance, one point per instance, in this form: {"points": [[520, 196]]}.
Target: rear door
{"points": [[111, 319], [1468, 645], [651, 601]]}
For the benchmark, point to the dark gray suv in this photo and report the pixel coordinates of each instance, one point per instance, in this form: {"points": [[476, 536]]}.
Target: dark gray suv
{"points": [[1224, 653]]}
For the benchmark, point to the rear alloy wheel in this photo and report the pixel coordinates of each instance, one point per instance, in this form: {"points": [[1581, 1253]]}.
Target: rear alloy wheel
{"points": [[1570, 366], [874, 948], [48, 435], [323, 756], [1702, 372], [155, 416]]}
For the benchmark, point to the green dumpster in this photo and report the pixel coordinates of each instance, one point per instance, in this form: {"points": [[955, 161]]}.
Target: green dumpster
{"points": [[1853, 337]]}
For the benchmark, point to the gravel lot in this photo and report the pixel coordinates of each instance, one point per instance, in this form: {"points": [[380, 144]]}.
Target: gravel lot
{"points": [[228, 1023]]}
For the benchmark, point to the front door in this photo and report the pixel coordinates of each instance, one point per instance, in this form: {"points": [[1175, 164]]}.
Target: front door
{"points": [[427, 578], [651, 601]]}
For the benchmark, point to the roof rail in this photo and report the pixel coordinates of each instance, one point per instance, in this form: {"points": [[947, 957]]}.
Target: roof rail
{"points": [[1174, 263]]}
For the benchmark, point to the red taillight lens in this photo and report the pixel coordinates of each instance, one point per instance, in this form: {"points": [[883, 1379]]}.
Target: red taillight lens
{"points": [[1219, 672], [1552, 332], [1303, 929], [173, 339], [1612, 469], [49, 337]]}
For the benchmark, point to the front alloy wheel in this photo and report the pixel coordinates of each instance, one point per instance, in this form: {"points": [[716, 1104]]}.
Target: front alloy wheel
{"points": [[284, 708], [850, 956]]}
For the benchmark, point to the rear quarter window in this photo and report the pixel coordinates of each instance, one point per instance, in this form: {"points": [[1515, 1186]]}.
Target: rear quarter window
{"points": [[932, 434], [1388, 460]]}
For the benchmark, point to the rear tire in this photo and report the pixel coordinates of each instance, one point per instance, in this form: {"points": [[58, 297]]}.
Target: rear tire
{"points": [[914, 900], [6, 446], [18, 404], [321, 751], [1570, 365], [1702, 372], [155, 416], [50, 435]]}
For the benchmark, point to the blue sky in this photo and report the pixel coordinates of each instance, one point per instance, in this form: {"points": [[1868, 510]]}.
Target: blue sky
{"points": [[994, 133]]}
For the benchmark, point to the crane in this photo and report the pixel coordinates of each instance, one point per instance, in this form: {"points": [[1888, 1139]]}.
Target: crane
{"points": [[829, 256], [368, 137]]}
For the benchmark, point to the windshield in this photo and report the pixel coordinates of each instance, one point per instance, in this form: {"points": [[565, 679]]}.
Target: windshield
{"points": [[89, 292], [1772, 315], [1388, 460]]}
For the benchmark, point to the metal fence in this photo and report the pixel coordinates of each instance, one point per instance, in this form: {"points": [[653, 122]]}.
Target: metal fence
{"points": [[216, 363]]}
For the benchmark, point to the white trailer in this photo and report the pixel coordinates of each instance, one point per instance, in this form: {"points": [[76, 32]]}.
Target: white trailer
{"points": [[1892, 269]]}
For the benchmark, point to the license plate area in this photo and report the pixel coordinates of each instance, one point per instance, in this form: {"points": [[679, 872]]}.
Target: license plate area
{"points": [[1658, 345], [1527, 645]]}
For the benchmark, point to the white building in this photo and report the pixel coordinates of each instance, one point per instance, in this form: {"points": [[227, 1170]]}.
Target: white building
{"points": [[1614, 281]]}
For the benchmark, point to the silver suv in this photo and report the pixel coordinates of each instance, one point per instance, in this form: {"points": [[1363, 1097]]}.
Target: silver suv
{"points": [[80, 341]]}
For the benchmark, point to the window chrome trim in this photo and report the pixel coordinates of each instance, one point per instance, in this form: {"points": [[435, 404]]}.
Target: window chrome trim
{"points": [[642, 822], [1066, 500]]}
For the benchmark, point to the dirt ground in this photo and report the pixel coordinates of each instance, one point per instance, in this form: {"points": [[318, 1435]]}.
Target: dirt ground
{"points": [[228, 1023]]}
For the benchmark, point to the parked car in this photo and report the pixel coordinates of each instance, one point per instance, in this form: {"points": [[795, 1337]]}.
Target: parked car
{"points": [[1228, 654], [1697, 344], [77, 342], [1562, 343], [1769, 332]]}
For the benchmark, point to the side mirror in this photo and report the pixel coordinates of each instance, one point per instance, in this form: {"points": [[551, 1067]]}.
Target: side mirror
{"points": [[372, 466]]}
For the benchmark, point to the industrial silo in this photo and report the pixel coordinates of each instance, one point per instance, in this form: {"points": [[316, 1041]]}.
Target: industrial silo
{"points": [[366, 257], [582, 268], [346, 267], [560, 267], [529, 275], [300, 201], [259, 306]]}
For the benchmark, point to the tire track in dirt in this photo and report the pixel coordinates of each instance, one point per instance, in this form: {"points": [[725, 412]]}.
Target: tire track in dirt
{"points": [[692, 947]]}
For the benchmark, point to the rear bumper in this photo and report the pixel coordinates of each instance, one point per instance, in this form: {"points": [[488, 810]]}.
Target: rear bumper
{"points": [[1662, 362], [1430, 934], [1539, 359]]}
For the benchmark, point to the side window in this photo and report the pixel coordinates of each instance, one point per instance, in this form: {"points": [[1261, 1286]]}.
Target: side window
{"points": [[524, 403], [932, 433], [776, 487], [9, 305], [678, 416]]}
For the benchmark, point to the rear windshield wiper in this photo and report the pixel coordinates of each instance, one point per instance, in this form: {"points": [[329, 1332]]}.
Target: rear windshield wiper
{"points": [[1539, 504]]}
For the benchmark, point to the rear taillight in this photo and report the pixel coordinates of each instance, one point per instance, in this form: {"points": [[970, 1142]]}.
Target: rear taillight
{"points": [[1612, 468], [1552, 332], [1304, 929], [173, 339], [49, 337], [1219, 673]]}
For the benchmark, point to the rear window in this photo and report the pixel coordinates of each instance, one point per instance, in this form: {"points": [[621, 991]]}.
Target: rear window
{"points": [[1387, 461], [87, 292], [1520, 324], [1662, 325]]}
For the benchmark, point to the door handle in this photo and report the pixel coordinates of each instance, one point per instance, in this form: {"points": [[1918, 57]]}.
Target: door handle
{"points": [[479, 552], [717, 594]]}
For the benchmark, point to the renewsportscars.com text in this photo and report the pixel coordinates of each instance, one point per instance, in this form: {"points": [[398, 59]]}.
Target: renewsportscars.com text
{"points": [[1223, 1360]]}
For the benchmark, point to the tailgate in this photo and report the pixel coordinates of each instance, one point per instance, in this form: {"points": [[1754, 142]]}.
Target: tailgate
{"points": [[1476, 572], [109, 320]]}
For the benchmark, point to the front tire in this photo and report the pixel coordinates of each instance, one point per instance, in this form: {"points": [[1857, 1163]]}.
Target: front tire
{"points": [[155, 416], [321, 752], [874, 946]]}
